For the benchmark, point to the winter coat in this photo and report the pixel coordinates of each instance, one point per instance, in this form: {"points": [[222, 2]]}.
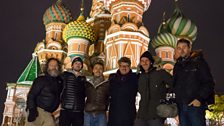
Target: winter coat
{"points": [[73, 94], [45, 93], [123, 90], [193, 80], [97, 93], [152, 87]]}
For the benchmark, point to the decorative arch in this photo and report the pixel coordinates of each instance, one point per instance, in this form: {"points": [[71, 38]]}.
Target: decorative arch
{"points": [[143, 30], [114, 28], [129, 27]]}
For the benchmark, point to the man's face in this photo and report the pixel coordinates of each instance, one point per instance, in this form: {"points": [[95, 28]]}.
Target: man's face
{"points": [[145, 63], [77, 66], [124, 68], [183, 49], [98, 70], [53, 69]]}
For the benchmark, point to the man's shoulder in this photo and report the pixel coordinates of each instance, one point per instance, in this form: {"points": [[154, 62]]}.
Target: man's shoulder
{"points": [[112, 76], [41, 76], [134, 75], [67, 73]]}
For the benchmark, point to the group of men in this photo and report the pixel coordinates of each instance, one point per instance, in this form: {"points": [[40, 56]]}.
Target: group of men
{"points": [[86, 102]]}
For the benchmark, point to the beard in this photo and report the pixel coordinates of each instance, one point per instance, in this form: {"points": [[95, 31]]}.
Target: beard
{"points": [[53, 73], [77, 69]]}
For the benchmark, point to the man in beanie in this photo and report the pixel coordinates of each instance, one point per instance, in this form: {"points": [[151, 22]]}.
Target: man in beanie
{"points": [[152, 86], [73, 95]]}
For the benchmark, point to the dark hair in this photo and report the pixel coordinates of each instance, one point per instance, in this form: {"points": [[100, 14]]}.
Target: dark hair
{"points": [[125, 60], [47, 64], [99, 63], [184, 41]]}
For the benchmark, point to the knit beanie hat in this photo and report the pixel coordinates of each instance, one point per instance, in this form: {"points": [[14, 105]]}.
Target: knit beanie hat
{"points": [[77, 59], [148, 55]]}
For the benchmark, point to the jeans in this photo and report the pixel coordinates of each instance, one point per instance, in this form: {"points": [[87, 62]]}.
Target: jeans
{"points": [[191, 116], [69, 118], [91, 119]]}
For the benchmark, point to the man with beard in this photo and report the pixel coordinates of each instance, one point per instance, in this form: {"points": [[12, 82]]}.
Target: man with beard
{"points": [[73, 95], [193, 85], [44, 96]]}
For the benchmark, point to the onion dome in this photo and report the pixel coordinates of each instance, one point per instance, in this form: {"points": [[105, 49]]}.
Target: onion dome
{"points": [[57, 13], [164, 38], [146, 3], [181, 26], [79, 29]]}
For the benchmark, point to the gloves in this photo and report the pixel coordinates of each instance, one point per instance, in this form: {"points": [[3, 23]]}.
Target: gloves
{"points": [[32, 114]]}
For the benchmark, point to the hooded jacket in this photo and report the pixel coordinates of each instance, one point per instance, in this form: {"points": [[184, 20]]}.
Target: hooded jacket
{"points": [[152, 87]]}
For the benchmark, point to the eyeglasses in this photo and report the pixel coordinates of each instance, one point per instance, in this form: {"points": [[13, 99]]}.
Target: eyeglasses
{"points": [[124, 66]]}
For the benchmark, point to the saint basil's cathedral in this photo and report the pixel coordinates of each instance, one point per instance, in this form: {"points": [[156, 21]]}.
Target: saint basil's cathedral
{"points": [[115, 29]]}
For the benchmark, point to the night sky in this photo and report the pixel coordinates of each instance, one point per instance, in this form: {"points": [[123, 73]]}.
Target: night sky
{"points": [[22, 28]]}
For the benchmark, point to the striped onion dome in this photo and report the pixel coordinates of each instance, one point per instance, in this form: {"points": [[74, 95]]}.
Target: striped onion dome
{"points": [[164, 39], [181, 26], [57, 13], [79, 29]]}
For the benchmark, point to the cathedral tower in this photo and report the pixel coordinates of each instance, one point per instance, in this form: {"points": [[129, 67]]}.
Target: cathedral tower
{"points": [[55, 18], [127, 36], [79, 35]]}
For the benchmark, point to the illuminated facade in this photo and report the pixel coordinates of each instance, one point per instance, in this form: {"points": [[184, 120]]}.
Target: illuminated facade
{"points": [[115, 29]]}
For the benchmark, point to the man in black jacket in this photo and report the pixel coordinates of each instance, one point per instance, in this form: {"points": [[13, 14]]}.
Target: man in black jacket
{"points": [[73, 95], [44, 96], [123, 87], [193, 85]]}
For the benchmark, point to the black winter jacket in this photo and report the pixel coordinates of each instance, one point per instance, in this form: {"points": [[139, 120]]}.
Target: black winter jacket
{"points": [[123, 90], [193, 80], [45, 93], [73, 94]]}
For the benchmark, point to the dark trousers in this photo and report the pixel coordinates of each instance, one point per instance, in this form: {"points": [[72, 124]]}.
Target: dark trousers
{"points": [[191, 116], [150, 122], [69, 118]]}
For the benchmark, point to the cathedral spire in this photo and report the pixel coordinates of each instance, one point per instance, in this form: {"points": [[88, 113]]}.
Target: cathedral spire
{"points": [[59, 1], [81, 16]]}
